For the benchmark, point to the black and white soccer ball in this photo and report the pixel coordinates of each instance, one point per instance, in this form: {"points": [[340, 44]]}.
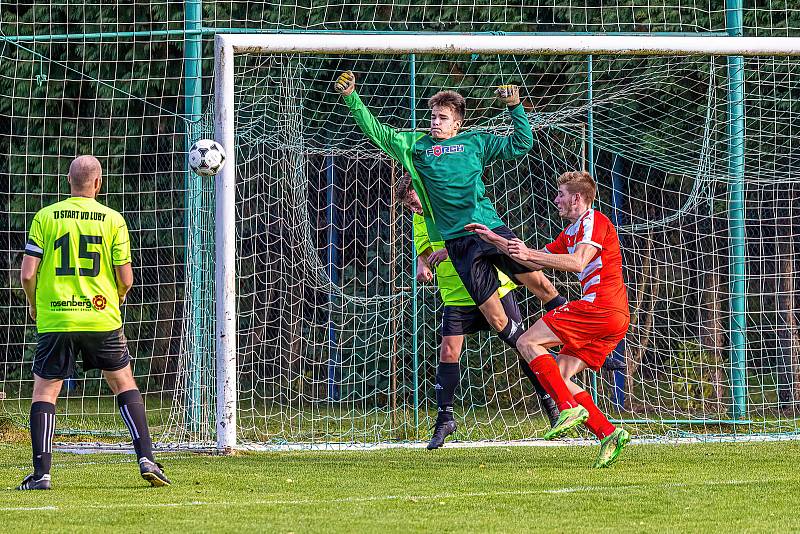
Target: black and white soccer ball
{"points": [[206, 157]]}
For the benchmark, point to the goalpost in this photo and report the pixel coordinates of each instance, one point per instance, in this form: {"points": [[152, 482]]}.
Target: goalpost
{"points": [[676, 190]]}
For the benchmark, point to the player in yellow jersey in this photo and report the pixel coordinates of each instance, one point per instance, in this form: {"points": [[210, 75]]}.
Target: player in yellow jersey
{"points": [[76, 271], [460, 317]]}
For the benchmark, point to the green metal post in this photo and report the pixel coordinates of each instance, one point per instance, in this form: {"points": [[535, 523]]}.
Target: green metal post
{"points": [[738, 325], [412, 66], [192, 49]]}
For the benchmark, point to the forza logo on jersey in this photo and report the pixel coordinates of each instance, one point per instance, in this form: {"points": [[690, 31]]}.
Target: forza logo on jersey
{"points": [[438, 150]]}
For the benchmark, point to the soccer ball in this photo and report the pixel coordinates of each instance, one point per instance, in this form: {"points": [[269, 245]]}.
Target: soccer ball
{"points": [[206, 157]]}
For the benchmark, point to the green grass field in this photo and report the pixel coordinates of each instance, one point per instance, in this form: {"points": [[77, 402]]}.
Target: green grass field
{"points": [[697, 488]]}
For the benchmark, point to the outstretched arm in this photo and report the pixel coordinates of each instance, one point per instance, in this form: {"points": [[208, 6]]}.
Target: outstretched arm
{"points": [[573, 263], [386, 138], [503, 244], [521, 140]]}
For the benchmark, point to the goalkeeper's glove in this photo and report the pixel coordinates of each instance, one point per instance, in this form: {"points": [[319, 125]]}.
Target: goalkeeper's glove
{"points": [[508, 94], [345, 83]]}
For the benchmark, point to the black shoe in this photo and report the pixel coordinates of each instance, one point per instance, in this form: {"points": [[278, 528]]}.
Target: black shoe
{"points": [[550, 410], [441, 430], [31, 483], [613, 364], [151, 472]]}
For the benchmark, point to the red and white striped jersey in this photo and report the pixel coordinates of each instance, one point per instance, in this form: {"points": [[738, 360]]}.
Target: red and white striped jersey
{"points": [[601, 281]]}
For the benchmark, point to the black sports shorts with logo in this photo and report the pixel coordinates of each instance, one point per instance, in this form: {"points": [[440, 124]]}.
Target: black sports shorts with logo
{"points": [[463, 320], [56, 352], [476, 262]]}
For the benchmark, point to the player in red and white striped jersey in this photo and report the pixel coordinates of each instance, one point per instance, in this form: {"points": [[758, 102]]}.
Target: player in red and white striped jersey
{"points": [[587, 329]]}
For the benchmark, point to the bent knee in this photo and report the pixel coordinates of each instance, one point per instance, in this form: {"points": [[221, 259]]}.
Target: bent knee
{"points": [[449, 355], [450, 350]]}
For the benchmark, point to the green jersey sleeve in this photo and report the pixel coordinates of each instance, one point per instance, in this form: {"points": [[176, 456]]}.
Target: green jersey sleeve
{"points": [[513, 146], [398, 145], [421, 240], [121, 246]]}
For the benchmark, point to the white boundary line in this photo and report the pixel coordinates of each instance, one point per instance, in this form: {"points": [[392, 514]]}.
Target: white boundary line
{"points": [[383, 498], [200, 448]]}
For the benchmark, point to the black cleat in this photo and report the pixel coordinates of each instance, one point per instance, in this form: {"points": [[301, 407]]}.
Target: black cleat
{"points": [[441, 430], [151, 472], [550, 410], [612, 364], [31, 483]]}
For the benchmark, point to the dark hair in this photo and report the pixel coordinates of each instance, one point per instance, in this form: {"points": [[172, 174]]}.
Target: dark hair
{"points": [[401, 187], [450, 99], [580, 182]]}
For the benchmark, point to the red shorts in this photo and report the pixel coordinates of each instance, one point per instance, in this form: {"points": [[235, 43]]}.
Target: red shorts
{"points": [[588, 332]]}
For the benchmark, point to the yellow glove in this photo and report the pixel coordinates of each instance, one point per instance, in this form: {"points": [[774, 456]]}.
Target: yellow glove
{"points": [[508, 94], [345, 83]]}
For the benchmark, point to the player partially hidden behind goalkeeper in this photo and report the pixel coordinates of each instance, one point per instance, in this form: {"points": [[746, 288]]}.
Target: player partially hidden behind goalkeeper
{"points": [[76, 271], [460, 317]]}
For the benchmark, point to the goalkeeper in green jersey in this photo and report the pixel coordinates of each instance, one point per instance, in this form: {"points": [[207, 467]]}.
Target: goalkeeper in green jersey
{"points": [[460, 317], [76, 271], [446, 169]]}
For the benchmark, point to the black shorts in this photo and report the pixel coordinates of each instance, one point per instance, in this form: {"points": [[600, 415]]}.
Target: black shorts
{"points": [[476, 262], [56, 352], [463, 320]]}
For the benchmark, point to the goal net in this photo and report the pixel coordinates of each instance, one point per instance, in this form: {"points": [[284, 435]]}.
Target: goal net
{"points": [[333, 342], [336, 343]]}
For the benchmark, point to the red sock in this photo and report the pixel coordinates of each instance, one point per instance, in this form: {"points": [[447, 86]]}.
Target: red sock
{"points": [[546, 370], [597, 422]]}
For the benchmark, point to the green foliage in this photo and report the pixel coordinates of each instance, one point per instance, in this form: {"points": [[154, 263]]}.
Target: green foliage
{"points": [[122, 100], [690, 381]]}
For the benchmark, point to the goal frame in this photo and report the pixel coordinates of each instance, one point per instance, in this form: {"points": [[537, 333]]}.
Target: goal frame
{"points": [[227, 45]]}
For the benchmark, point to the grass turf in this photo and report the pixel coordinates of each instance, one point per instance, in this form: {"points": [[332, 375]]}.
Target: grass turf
{"points": [[687, 488]]}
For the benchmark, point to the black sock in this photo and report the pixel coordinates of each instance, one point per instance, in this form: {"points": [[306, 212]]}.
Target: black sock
{"points": [[131, 408], [511, 333], [43, 424], [448, 376], [548, 404], [554, 303]]}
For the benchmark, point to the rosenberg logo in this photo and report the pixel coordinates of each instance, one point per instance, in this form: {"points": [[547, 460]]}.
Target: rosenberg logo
{"points": [[75, 303], [99, 302], [438, 150]]}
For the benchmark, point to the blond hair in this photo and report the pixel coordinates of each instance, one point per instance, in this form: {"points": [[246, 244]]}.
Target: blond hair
{"points": [[579, 182]]}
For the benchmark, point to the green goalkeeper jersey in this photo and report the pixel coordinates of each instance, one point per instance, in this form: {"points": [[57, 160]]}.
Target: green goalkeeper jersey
{"points": [[447, 174], [79, 242], [447, 280]]}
